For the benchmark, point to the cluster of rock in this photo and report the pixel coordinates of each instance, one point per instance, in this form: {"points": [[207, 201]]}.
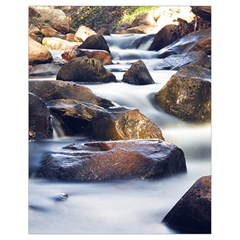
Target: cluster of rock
{"points": [[126, 144]]}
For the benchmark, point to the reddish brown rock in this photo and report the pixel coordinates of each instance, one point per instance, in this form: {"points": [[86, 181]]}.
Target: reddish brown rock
{"points": [[192, 213], [122, 123], [97, 161]]}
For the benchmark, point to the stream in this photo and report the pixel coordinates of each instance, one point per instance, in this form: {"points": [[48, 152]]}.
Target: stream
{"points": [[119, 207]]}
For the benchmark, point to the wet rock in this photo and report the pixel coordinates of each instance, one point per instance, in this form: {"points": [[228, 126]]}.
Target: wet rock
{"points": [[194, 41], [187, 94], [83, 33], [174, 62], [84, 69], [54, 43], [37, 53], [100, 55], [55, 89], [170, 33], [44, 69], [138, 74], [39, 119], [122, 123], [73, 116], [95, 42], [192, 213], [97, 161]]}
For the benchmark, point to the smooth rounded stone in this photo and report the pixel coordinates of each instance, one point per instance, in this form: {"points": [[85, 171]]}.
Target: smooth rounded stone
{"points": [[56, 89], [39, 119], [187, 94], [96, 42], [174, 62], [122, 123], [144, 19], [138, 74], [128, 159], [46, 69], [192, 213], [84, 69], [48, 31], [100, 55], [37, 53], [73, 116]]}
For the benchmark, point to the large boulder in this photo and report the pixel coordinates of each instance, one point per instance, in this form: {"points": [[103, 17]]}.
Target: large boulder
{"points": [[84, 69], [138, 74], [83, 33], [73, 116], [122, 123], [96, 161], [95, 42], [144, 19], [174, 62], [39, 119], [187, 94], [204, 12], [192, 213], [169, 34], [55, 89], [37, 53]]}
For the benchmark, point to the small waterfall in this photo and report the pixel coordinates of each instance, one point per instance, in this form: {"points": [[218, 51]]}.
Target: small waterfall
{"points": [[57, 128]]}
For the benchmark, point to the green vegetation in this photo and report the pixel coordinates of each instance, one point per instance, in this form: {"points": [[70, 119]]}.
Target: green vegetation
{"points": [[97, 17]]}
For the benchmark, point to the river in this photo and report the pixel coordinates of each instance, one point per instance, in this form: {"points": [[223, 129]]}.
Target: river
{"points": [[130, 206]]}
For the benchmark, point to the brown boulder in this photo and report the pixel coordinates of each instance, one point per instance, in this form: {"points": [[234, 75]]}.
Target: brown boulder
{"points": [[96, 161], [138, 74], [37, 53], [84, 69], [192, 213], [122, 123], [95, 42], [55, 43], [100, 55], [73, 116], [55, 89], [187, 94], [144, 19], [39, 119]]}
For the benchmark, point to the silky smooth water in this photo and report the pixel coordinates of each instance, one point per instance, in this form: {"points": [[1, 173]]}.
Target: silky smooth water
{"points": [[130, 206]]}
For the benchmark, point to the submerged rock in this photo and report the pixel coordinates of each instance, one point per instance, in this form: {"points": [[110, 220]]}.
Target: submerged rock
{"points": [[138, 74], [122, 123], [96, 161], [187, 94], [174, 62], [84, 69], [44, 69], [55, 89], [39, 119], [192, 213]]}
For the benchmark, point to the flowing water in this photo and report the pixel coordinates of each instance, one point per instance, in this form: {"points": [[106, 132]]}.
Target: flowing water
{"points": [[132, 206]]}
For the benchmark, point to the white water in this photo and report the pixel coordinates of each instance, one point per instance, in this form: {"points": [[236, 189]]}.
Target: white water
{"points": [[120, 206]]}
